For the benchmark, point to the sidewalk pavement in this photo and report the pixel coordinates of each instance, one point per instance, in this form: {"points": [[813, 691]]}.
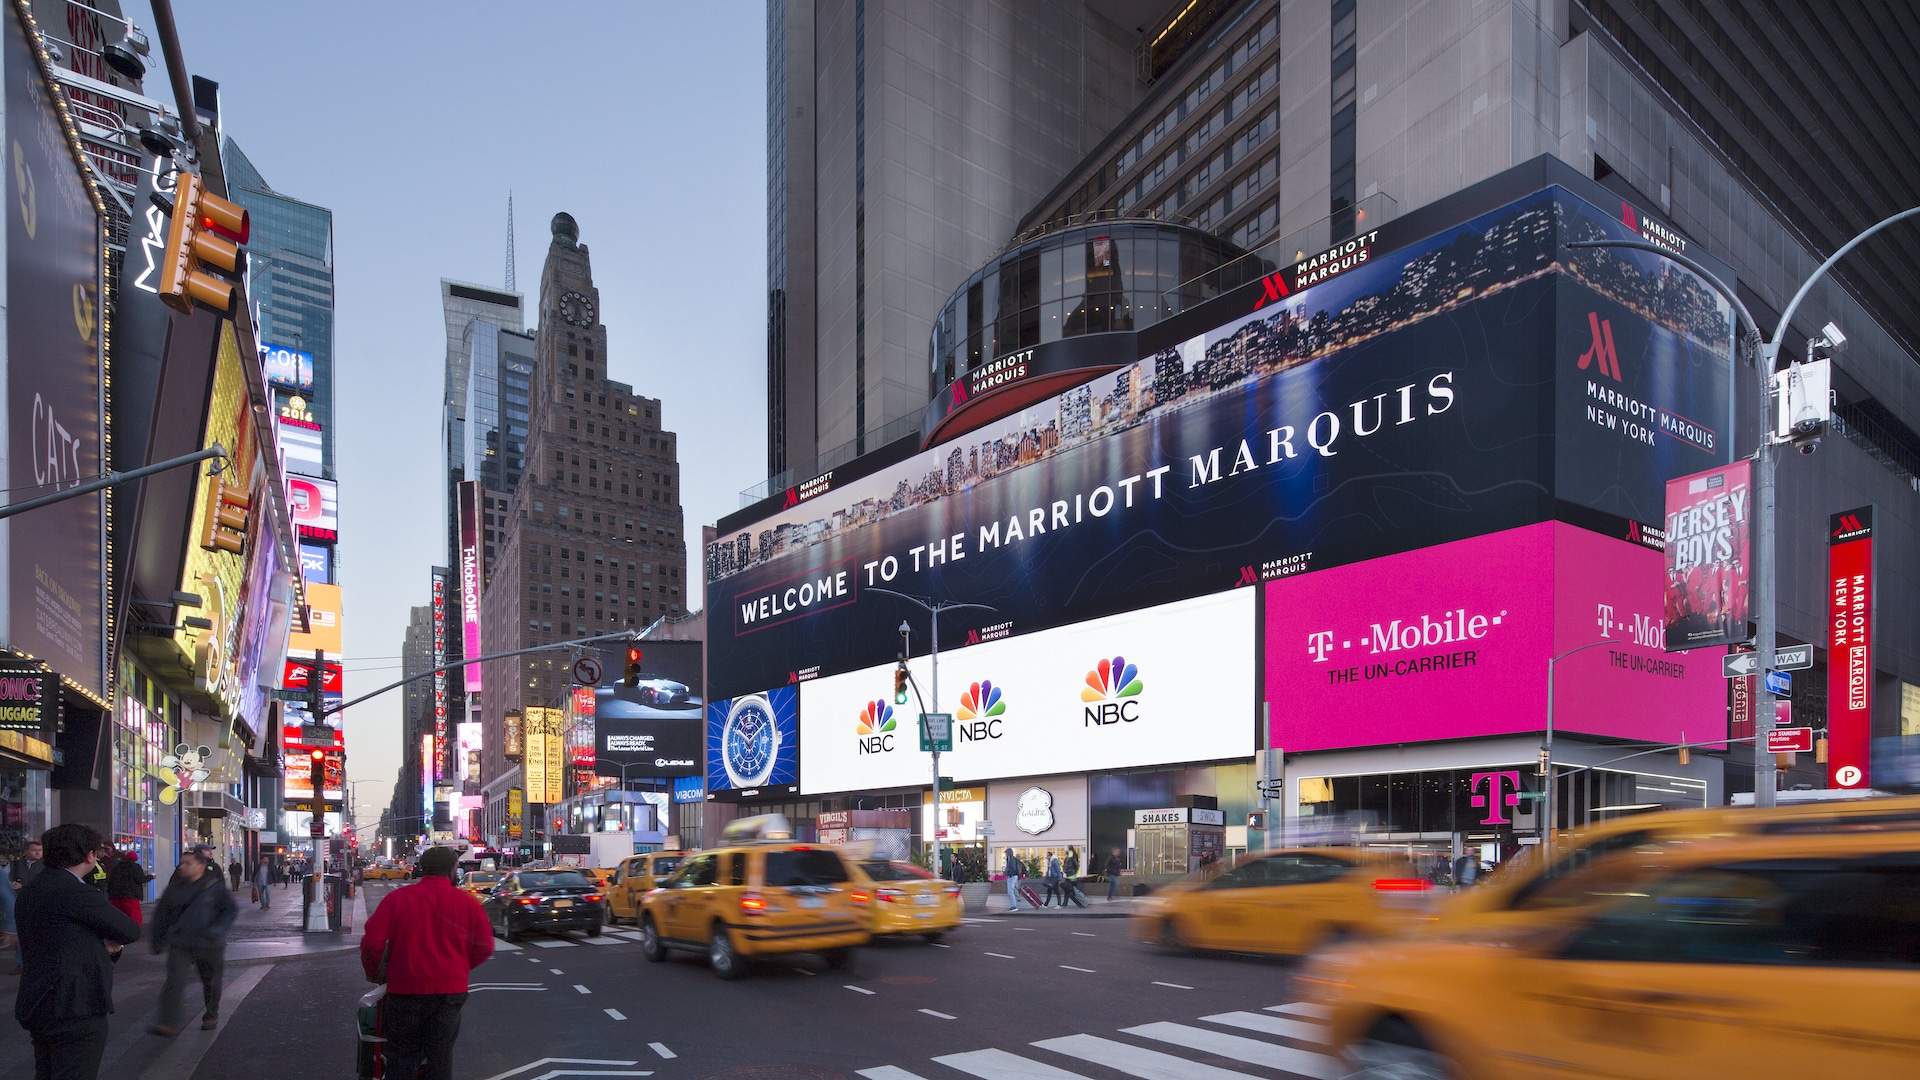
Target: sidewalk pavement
{"points": [[274, 934], [1098, 907]]}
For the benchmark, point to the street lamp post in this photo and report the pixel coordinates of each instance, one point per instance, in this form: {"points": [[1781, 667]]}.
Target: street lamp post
{"points": [[1546, 756], [1765, 556], [933, 608]]}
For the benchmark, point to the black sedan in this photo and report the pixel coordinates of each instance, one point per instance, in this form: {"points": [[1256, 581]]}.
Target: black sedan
{"points": [[553, 900]]}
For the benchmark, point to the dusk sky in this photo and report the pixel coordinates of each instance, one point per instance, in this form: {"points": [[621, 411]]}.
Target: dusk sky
{"points": [[411, 122]]}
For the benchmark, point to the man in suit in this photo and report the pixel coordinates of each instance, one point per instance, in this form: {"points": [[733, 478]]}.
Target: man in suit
{"points": [[70, 938]]}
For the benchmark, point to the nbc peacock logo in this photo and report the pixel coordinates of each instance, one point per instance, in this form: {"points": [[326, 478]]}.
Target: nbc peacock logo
{"points": [[875, 728], [979, 714], [1112, 693]]}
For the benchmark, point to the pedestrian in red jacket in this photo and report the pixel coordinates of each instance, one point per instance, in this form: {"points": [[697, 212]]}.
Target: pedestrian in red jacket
{"points": [[421, 941]]}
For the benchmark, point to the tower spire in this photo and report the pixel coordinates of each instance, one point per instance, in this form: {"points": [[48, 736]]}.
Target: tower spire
{"points": [[510, 260]]}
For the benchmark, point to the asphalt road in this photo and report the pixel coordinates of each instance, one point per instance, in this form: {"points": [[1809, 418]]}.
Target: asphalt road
{"points": [[1032, 998]]}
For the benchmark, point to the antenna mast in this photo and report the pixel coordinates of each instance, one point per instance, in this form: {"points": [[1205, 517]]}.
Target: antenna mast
{"points": [[510, 260]]}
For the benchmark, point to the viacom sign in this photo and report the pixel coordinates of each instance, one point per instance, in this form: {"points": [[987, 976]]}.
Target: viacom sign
{"points": [[1169, 684]]}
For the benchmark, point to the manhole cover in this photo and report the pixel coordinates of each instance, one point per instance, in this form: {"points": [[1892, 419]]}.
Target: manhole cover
{"points": [[776, 1072], [908, 980]]}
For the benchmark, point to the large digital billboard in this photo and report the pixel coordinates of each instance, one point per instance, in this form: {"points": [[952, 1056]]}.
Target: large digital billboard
{"points": [[470, 580], [753, 742], [1174, 683], [652, 728], [314, 505], [286, 367], [1445, 389], [1452, 642], [55, 323], [323, 623]]}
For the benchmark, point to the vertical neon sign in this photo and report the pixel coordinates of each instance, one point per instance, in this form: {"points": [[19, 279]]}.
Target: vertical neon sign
{"points": [[1849, 647]]}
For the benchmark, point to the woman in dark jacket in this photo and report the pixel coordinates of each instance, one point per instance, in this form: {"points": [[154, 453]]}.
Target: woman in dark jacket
{"points": [[127, 885]]}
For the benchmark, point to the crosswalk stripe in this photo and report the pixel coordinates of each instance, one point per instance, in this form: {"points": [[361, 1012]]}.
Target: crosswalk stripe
{"points": [[505, 946], [1287, 1027], [1302, 1008], [1135, 1061], [888, 1072], [550, 943], [1000, 1065], [1240, 1048], [603, 940]]}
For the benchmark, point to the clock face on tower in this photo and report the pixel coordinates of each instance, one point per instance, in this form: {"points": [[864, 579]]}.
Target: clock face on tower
{"points": [[750, 742], [576, 309]]}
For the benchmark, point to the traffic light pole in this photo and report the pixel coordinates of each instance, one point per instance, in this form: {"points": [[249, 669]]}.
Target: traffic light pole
{"points": [[624, 635], [113, 478]]}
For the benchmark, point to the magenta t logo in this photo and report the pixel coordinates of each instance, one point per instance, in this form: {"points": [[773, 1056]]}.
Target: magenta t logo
{"points": [[1497, 784]]}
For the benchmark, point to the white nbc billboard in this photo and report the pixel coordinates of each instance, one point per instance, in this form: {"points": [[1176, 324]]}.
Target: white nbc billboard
{"points": [[1169, 684]]}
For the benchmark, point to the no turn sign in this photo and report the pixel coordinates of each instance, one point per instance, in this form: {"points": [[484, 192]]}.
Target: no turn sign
{"points": [[586, 671]]}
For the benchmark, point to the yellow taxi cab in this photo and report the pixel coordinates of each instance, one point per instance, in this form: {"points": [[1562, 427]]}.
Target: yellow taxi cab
{"points": [[481, 882], [1284, 902], [906, 899], [636, 876], [760, 894], [385, 871], [1513, 895], [1789, 955]]}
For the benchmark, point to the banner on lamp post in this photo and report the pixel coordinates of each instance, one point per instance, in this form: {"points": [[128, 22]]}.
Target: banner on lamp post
{"points": [[1709, 548], [1849, 647]]}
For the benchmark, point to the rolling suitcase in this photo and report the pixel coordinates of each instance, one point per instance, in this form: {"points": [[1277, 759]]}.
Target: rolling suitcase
{"points": [[1032, 897], [1074, 894]]}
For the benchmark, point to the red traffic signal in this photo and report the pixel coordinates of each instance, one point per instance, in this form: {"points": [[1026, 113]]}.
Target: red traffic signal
{"points": [[205, 234], [633, 666], [319, 757]]}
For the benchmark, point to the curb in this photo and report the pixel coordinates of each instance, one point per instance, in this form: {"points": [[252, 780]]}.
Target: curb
{"points": [[286, 958]]}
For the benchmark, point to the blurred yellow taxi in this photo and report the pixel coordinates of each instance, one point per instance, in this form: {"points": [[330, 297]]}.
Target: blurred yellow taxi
{"points": [[1787, 955], [385, 871], [636, 876], [760, 894], [481, 882], [1513, 895], [1284, 902], [905, 899]]}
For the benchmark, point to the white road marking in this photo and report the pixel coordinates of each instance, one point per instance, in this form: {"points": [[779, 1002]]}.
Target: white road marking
{"points": [[1241, 1048], [556, 971], [661, 1049], [1302, 1008], [603, 941], [859, 989], [1176, 986], [1000, 1065], [615, 1013], [1082, 933], [939, 1015], [1001, 955], [937, 945], [550, 1074], [1286, 1027], [804, 971], [1027, 929], [1135, 1061], [994, 922], [551, 943], [504, 946], [1070, 967], [567, 1061], [888, 1072], [581, 988]]}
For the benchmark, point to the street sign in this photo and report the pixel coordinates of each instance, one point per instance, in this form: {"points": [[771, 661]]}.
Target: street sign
{"points": [[983, 828], [936, 731], [1735, 665], [586, 671], [1790, 740], [319, 829], [1793, 657], [316, 733], [1779, 683]]}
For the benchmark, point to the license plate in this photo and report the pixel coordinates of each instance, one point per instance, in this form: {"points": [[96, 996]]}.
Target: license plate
{"points": [[926, 899], [562, 903], [813, 901]]}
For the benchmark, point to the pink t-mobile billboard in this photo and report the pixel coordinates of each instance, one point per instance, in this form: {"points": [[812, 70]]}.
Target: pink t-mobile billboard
{"points": [[1452, 642]]}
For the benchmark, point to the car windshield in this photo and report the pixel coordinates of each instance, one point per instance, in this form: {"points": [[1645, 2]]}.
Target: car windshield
{"points": [[663, 867], [893, 871], [559, 879], [815, 867], [481, 877]]}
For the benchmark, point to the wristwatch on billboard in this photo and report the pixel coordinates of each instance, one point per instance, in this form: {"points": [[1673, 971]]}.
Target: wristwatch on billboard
{"points": [[749, 742]]}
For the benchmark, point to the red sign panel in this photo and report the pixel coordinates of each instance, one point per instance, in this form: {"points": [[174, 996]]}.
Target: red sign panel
{"points": [[1709, 521], [1793, 740], [582, 756], [296, 676], [1849, 647]]}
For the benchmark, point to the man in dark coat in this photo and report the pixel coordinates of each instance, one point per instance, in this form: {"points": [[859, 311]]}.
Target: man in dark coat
{"points": [[70, 937], [191, 923]]}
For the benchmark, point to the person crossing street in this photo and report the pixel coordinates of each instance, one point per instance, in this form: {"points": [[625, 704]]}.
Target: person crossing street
{"points": [[191, 924]]}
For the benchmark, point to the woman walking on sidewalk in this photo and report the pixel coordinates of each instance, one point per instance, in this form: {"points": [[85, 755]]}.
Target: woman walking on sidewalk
{"points": [[127, 885], [191, 923]]}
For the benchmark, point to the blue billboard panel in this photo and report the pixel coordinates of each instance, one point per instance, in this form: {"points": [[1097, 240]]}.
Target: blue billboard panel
{"points": [[753, 743], [287, 367]]}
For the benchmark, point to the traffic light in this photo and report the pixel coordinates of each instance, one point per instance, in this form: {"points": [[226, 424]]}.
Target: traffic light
{"points": [[206, 234], [633, 666], [900, 684], [226, 518]]}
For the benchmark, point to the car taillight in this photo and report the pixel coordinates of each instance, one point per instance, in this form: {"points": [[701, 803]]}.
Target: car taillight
{"points": [[887, 895], [860, 897], [529, 901], [591, 896], [752, 904], [1401, 885], [951, 890]]}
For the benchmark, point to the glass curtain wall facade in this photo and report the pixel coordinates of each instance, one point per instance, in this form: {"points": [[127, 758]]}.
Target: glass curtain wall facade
{"points": [[145, 728]]}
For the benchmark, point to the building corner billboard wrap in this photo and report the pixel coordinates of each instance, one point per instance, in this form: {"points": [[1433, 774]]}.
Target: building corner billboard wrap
{"points": [[1709, 548], [1849, 647], [470, 580], [53, 354]]}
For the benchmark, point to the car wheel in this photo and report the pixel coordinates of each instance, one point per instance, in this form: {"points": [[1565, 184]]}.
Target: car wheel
{"points": [[651, 946], [507, 929], [594, 930], [725, 963], [1394, 1050], [1170, 936], [935, 937]]}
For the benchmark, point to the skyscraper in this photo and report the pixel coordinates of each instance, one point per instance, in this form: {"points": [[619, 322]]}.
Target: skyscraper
{"points": [[887, 186], [593, 540]]}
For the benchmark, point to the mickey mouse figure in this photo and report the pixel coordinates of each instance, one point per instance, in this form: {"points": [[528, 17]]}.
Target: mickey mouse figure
{"points": [[185, 767]]}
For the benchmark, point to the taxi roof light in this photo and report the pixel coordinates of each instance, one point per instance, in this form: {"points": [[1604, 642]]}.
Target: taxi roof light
{"points": [[761, 828]]}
